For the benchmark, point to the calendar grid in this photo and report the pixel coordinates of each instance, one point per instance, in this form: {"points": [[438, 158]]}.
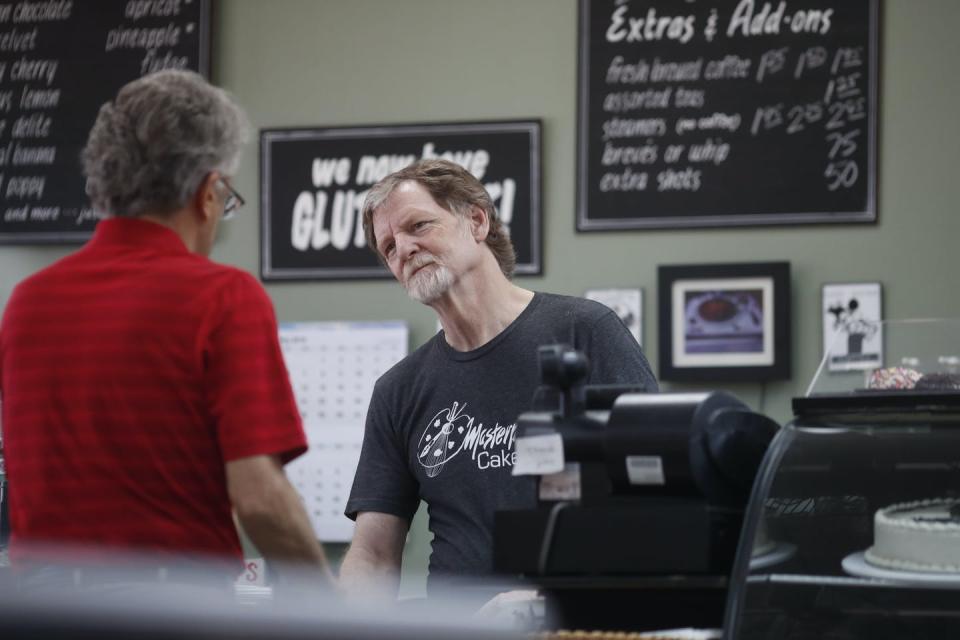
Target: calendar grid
{"points": [[333, 367]]}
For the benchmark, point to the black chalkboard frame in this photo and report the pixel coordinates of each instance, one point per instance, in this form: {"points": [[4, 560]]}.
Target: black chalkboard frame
{"points": [[589, 218], [272, 267], [203, 66]]}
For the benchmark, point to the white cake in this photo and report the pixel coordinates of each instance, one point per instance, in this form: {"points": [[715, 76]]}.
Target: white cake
{"points": [[917, 536]]}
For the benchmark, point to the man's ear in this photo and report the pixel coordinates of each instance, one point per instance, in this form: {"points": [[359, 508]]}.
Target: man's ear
{"points": [[479, 223], [205, 199]]}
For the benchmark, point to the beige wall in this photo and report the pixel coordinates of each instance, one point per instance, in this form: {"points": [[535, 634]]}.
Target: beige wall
{"points": [[338, 62]]}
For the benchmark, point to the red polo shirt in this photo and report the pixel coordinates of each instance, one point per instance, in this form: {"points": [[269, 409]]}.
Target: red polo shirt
{"points": [[130, 372]]}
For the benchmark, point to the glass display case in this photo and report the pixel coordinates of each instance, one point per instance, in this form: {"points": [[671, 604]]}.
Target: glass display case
{"points": [[853, 529]]}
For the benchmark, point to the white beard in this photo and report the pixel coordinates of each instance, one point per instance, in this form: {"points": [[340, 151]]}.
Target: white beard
{"points": [[429, 283]]}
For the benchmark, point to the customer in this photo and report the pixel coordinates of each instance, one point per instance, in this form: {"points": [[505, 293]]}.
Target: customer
{"points": [[144, 393]]}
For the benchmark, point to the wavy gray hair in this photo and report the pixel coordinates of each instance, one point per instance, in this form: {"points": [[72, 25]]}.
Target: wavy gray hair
{"points": [[453, 188], [153, 145]]}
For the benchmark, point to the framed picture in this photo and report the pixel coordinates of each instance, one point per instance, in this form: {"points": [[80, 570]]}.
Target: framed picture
{"points": [[313, 182], [728, 322], [852, 331], [626, 303]]}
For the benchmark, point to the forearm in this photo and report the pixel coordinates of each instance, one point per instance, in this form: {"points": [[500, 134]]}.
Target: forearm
{"points": [[280, 529], [367, 574], [371, 568], [272, 515]]}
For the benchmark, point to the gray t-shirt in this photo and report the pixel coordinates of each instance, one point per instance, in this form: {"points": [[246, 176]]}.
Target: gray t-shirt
{"points": [[442, 423]]}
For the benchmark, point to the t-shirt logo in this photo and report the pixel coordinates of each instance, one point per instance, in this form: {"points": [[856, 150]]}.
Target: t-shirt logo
{"points": [[439, 442], [452, 430]]}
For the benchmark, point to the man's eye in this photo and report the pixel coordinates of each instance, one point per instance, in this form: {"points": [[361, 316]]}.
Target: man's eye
{"points": [[389, 250], [420, 224]]}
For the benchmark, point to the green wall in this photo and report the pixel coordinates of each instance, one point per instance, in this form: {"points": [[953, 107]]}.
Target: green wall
{"points": [[339, 62]]}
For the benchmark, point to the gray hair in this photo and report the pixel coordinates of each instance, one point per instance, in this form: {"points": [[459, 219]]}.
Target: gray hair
{"points": [[453, 188], [153, 145]]}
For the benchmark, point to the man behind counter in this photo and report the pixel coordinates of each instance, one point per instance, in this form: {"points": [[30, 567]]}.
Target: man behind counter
{"points": [[144, 392], [441, 423]]}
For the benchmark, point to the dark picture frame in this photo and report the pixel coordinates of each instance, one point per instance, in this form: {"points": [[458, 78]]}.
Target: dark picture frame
{"points": [[313, 181], [724, 322]]}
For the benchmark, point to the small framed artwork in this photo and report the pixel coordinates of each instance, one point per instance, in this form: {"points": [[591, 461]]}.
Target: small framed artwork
{"points": [[724, 322], [852, 329], [626, 303]]}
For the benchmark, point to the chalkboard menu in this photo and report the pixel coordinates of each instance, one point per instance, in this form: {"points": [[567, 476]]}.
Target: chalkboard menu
{"points": [[726, 112], [59, 61], [313, 183]]}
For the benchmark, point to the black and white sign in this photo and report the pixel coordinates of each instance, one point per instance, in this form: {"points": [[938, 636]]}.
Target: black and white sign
{"points": [[710, 113], [313, 183], [59, 61], [852, 326]]}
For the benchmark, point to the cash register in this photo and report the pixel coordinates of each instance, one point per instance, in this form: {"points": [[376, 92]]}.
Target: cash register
{"points": [[640, 500]]}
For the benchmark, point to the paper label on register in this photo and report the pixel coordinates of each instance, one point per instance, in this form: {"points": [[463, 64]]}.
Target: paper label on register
{"points": [[562, 486], [645, 470], [539, 455]]}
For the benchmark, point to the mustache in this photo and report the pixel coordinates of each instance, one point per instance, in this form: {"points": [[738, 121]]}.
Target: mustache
{"points": [[416, 262]]}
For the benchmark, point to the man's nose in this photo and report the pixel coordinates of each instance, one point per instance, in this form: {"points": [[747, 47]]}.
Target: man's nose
{"points": [[406, 247]]}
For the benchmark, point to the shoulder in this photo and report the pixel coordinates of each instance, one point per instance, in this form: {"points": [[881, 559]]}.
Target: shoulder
{"points": [[402, 373], [237, 279], [223, 273], [572, 308], [228, 297], [230, 284], [49, 275], [45, 288]]}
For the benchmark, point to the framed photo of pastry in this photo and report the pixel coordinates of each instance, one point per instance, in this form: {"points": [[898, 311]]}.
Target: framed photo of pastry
{"points": [[852, 327], [724, 322]]}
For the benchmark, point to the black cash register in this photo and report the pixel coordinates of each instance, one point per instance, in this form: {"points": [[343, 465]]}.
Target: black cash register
{"points": [[639, 528]]}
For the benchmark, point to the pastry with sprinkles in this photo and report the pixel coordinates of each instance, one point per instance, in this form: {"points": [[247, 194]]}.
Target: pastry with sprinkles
{"points": [[893, 378]]}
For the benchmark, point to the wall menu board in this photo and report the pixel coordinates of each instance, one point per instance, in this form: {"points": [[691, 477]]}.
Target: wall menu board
{"points": [[59, 61], [313, 183], [726, 112]]}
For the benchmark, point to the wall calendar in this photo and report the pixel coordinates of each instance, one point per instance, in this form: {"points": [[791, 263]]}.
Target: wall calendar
{"points": [[333, 367]]}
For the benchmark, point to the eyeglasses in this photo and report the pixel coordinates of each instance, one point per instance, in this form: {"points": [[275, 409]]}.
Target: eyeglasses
{"points": [[233, 202]]}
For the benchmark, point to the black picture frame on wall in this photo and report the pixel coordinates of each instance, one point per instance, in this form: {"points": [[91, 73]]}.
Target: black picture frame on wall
{"points": [[724, 322]]}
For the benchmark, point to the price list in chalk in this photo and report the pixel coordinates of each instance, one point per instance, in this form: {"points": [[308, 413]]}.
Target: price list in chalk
{"points": [[716, 113], [333, 367], [60, 60]]}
